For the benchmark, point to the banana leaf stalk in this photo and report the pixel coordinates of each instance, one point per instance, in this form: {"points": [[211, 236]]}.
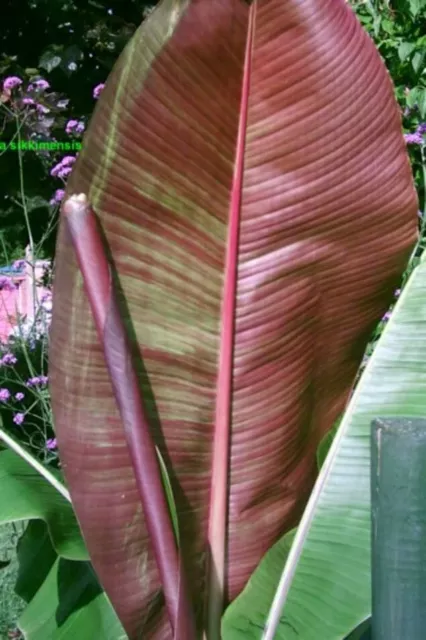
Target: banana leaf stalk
{"points": [[98, 281]]}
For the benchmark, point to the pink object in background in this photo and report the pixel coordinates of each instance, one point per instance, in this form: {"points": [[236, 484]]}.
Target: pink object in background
{"points": [[17, 300]]}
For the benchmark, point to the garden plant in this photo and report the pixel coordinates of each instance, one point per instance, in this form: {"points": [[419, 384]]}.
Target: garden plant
{"points": [[238, 292]]}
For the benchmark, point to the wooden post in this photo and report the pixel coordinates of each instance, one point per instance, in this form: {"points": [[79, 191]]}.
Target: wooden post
{"points": [[398, 505]]}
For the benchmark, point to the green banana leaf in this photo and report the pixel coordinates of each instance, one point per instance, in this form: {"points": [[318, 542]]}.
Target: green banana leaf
{"points": [[26, 495], [70, 605], [326, 583], [63, 594], [34, 549]]}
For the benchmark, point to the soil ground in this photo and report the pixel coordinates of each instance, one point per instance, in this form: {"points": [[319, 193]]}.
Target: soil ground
{"points": [[11, 606]]}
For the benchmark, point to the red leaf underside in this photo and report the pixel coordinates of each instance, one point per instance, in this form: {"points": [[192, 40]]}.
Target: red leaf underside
{"points": [[250, 298]]}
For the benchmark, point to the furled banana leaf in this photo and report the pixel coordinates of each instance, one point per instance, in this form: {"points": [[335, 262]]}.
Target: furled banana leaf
{"points": [[250, 178]]}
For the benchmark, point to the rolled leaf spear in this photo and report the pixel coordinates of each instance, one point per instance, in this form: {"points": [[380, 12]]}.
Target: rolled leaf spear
{"points": [[98, 280], [249, 174]]}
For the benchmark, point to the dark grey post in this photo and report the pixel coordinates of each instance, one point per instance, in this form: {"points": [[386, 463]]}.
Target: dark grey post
{"points": [[398, 492]]}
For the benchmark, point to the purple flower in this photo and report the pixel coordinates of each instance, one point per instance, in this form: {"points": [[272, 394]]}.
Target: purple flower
{"points": [[98, 90], [58, 196], [19, 264], [397, 293], [7, 284], [64, 172], [68, 160], [74, 126], [421, 129], [11, 82], [18, 418], [42, 109], [51, 443], [36, 380], [71, 124], [386, 316], [41, 84], [19, 396], [58, 169], [27, 101], [4, 395], [413, 138], [62, 104], [8, 358]]}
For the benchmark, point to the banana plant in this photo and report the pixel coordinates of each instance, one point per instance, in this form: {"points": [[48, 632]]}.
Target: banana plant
{"points": [[234, 227]]}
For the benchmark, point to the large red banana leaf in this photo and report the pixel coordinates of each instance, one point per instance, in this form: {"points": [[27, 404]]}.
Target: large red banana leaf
{"points": [[249, 172]]}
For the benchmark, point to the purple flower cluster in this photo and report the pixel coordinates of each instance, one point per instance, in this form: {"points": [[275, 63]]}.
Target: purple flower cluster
{"points": [[64, 167], [4, 395], [36, 87], [74, 127], [51, 443], [58, 196], [40, 85], [11, 82], [417, 136], [98, 90], [37, 380], [8, 358]]}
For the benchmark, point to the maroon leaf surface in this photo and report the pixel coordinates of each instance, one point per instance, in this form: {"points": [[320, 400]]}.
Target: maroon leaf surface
{"points": [[250, 177]]}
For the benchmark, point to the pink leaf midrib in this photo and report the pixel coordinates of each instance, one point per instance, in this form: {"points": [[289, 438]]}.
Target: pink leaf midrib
{"points": [[217, 532]]}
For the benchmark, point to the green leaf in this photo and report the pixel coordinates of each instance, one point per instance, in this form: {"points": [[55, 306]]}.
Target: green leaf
{"points": [[417, 97], [36, 202], [171, 502], [244, 619], [417, 61], [49, 61], [416, 6], [421, 101], [326, 442], [65, 598], [405, 49], [25, 495], [330, 592], [70, 605], [34, 549]]}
